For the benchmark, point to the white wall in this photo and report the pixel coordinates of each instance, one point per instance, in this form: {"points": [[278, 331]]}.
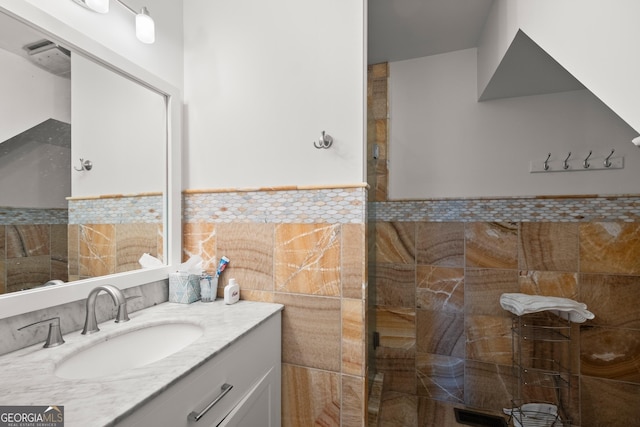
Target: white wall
{"points": [[596, 43], [119, 126], [262, 80], [30, 96], [443, 143]]}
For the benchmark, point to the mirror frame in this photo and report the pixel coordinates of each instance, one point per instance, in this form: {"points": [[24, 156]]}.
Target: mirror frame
{"points": [[36, 299]]}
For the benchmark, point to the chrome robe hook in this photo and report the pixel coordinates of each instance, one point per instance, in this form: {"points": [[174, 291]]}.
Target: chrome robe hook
{"points": [[607, 163], [546, 162], [586, 164], [85, 165], [325, 141], [565, 164]]}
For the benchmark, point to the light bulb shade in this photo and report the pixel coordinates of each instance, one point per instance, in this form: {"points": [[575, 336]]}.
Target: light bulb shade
{"points": [[145, 27], [100, 6]]}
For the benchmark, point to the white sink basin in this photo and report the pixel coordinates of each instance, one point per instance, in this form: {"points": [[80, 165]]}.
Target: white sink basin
{"points": [[133, 349]]}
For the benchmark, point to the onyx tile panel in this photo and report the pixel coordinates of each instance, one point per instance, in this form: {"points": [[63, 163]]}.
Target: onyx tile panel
{"points": [[483, 288], [310, 397], [488, 338], [353, 337], [549, 246], [440, 243], [440, 377], [491, 244], [610, 247], [440, 288], [27, 240], [311, 331], [353, 260], [250, 248], [614, 299], [395, 285], [353, 401], [395, 242], [607, 403], [399, 409], [611, 353], [487, 385], [440, 332], [399, 368], [549, 283], [200, 239]]}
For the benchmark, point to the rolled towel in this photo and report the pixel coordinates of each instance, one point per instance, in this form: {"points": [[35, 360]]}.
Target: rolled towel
{"points": [[520, 304]]}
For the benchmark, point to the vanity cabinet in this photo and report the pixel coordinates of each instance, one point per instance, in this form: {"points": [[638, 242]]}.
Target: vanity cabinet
{"points": [[244, 380]]}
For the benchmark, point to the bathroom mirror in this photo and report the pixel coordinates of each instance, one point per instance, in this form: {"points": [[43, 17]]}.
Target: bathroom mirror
{"points": [[82, 103]]}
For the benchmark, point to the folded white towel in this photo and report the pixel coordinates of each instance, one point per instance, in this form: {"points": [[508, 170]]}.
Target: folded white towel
{"points": [[520, 304]]}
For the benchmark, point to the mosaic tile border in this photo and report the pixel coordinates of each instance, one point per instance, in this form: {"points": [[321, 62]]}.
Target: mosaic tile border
{"points": [[587, 209], [331, 205], [117, 210], [22, 216]]}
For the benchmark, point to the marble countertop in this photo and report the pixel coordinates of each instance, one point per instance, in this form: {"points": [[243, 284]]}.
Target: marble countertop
{"points": [[27, 375]]}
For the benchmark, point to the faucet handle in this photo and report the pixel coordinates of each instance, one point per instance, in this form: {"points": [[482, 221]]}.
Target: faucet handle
{"points": [[54, 338], [123, 315]]}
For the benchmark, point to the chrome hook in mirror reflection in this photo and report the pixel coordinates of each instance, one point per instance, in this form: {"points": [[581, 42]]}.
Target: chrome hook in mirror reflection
{"points": [[325, 141], [85, 165], [586, 164], [607, 163], [565, 165], [546, 162]]}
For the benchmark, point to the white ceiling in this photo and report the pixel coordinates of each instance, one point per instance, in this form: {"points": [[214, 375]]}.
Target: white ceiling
{"points": [[405, 29]]}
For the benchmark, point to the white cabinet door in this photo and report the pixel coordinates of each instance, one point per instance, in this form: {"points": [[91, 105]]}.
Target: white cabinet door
{"points": [[257, 408]]}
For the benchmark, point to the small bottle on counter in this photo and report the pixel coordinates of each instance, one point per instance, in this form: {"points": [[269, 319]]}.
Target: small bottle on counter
{"points": [[231, 292], [207, 293]]}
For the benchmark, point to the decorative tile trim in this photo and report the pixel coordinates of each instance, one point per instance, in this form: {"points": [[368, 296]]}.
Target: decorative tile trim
{"points": [[562, 209], [310, 206], [119, 210], [22, 216]]}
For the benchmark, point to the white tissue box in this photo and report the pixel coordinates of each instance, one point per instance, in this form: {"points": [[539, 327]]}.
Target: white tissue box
{"points": [[184, 288]]}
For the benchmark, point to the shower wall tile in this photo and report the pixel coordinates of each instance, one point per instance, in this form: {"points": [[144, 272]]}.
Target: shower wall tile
{"points": [[439, 332], [249, 248], [310, 397], [487, 385], [396, 326], [3, 246], [550, 283], [399, 409], [440, 243], [614, 299], [354, 397], [611, 353], [73, 246], [440, 377], [97, 254], [395, 285], [483, 287], [491, 245], [440, 288], [395, 243], [307, 259], [399, 368], [608, 403], [353, 337], [25, 273], [3, 275], [548, 246], [353, 260], [311, 331], [488, 339], [610, 247]]}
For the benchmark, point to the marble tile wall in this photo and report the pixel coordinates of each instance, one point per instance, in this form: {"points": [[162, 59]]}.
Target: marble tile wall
{"points": [[444, 336], [31, 255], [313, 261]]}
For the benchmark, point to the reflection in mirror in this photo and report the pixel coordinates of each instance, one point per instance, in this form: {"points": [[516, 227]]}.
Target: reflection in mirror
{"points": [[58, 221]]}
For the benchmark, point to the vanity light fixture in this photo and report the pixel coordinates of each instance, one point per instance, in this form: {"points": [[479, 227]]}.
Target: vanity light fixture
{"points": [[145, 26]]}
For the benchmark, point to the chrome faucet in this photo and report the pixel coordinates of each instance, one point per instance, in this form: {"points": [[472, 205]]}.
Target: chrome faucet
{"points": [[119, 300], [54, 338]]}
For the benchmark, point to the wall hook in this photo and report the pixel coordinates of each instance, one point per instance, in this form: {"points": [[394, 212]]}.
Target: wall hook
{"points": [[546, 162], [565, 165], [607, 163], [85, 165], [325, 141], [586, 164]]}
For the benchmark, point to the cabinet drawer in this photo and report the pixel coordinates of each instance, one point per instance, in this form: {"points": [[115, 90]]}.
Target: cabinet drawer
{"points": [[241, 365]]}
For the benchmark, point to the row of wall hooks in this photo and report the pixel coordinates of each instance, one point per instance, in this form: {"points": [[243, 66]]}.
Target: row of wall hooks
{"points": [[575, 164]]}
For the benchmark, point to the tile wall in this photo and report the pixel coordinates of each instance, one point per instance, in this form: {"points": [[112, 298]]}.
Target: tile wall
{"points": [[445, 337], [109, 234], [303, 248]]}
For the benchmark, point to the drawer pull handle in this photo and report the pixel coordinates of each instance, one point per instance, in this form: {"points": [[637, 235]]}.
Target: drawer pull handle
{"points": [[226, 388]]}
